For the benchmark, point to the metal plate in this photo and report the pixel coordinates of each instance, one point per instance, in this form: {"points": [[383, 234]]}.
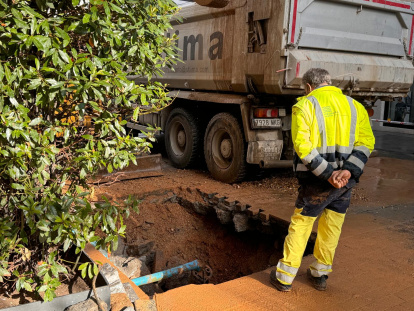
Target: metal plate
{"points": [[364, 73], [266, 123], [359, 26]]}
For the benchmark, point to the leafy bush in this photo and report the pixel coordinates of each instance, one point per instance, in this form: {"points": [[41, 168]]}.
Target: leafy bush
{"points": [[64, 89]]}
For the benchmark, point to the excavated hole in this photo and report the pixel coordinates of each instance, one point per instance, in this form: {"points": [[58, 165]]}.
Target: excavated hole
{"points": [[177, 227]]}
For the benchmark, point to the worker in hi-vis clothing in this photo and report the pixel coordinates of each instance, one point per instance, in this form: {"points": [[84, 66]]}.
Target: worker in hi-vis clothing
{"points": [[333, 139]]}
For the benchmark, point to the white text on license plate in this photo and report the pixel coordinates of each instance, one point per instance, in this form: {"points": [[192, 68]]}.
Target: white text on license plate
{"points": [[267, 123]]}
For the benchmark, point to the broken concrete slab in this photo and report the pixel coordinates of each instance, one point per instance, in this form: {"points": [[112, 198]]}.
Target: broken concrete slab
{"points": [[89, 305], [113, 279], [132, 267], [119, 298], [130, 292], [97, 256]]}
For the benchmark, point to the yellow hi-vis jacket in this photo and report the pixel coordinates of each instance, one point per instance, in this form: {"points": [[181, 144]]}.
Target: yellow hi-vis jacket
{"points": [[330, 131]]}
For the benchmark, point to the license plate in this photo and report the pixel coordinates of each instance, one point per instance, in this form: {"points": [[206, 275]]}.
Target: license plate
{"points": [[274, 123]]}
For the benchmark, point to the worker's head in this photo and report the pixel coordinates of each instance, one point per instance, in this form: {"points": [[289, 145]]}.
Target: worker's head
{"points": [[315, 77]]}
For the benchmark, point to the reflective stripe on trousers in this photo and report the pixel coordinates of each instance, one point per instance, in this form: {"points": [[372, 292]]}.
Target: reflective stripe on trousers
{"points": [[332, 211], [300, 229], [318, 269], [285, 274]]}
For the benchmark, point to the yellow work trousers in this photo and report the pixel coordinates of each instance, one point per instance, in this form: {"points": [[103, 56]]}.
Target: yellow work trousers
{"points": [[329, 230]]}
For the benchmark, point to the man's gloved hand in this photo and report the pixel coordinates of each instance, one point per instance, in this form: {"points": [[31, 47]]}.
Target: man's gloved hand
{"points": [[339, 178]]}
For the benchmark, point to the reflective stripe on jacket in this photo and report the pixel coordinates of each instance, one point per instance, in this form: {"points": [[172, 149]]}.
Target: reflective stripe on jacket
{"points": [[330, 131]]}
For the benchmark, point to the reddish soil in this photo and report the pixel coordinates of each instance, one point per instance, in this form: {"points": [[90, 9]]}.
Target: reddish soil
{"points": [[182, 233], [376, 240]]}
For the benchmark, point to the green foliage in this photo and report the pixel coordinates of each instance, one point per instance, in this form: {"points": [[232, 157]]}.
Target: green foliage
{"points": [[64, 94]]}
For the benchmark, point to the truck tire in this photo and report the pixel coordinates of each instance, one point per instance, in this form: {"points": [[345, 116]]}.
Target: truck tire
{"points": [[182, 138], [224, 148]]}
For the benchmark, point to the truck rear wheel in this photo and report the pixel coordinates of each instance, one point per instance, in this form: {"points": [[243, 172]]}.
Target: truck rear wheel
{"points": [[182, 138], [224, 148]]}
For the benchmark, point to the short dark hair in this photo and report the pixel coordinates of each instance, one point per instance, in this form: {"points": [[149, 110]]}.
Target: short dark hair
{"points": [[316, 76]]}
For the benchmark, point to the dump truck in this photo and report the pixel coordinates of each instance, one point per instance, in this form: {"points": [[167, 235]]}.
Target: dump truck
{"points": [[241, 68]]}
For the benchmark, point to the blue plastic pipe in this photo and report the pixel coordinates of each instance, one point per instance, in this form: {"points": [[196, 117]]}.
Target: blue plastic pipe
{"points": [[155, 277]]}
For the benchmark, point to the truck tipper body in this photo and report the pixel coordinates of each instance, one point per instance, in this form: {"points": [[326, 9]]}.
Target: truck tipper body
{"points": [[241, 68]]}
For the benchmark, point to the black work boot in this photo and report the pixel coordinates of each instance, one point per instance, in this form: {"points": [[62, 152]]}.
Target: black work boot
{"points": [[318, 282], [279, 286]]}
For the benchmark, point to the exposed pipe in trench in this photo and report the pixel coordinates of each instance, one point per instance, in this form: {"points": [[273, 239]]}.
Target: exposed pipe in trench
{"points": [[158, 276], [155, 277]]}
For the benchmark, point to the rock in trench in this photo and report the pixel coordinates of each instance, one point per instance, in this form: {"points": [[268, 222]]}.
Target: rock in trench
{"points": [[241, 222], [139, 250], [132, 267]]}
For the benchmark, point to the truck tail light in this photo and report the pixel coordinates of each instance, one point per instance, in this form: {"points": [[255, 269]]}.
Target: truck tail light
{"points": [[266, 113], [370, 112]]}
